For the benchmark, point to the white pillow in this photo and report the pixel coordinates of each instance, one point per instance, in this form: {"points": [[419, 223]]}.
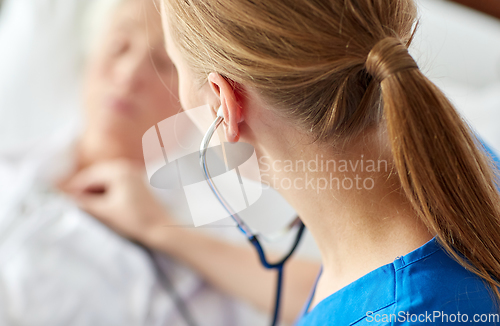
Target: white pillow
{"points": [[42, 47]]}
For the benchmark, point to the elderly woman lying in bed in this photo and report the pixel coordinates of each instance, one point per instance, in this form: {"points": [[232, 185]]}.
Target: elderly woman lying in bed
{"points": [[59, 265]]}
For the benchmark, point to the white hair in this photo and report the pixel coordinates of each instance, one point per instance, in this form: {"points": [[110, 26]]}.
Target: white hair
{"points": [[94, 21]]}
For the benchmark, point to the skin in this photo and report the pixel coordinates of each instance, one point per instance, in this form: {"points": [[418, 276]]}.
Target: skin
{"points": [[130, 85]]}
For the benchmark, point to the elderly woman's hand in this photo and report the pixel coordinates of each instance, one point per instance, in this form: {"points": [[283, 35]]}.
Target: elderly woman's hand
{"points": [[116, 193]]}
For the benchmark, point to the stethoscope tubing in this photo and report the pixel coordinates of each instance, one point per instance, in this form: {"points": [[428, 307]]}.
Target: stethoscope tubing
{"points": [[242, 225]]}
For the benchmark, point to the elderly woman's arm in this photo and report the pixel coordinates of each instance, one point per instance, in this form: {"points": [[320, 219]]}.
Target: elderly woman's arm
{"points": [[236, 270], [115, 193]]}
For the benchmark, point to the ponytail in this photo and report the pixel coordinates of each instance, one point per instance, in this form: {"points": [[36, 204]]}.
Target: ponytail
{"points": [[446, 176]]}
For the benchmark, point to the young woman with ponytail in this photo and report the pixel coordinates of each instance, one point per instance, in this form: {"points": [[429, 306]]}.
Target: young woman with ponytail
{"points": [[416, 239], [300, 78]]}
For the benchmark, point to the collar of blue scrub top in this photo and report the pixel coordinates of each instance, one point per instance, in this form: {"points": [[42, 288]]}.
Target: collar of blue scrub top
{"points": [[374, 291]]}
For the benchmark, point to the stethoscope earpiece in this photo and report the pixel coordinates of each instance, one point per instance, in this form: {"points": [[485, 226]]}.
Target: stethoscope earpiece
{"points": [[220, 113]]}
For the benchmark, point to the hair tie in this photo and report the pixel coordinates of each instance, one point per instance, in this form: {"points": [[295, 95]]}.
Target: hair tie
{"points": [[388, 57]]}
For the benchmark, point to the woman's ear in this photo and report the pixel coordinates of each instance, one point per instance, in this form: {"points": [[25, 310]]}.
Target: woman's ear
{"points": [[230, 104]]}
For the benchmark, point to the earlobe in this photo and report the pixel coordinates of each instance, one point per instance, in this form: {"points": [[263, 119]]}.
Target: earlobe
{"points": [[231, 108]]}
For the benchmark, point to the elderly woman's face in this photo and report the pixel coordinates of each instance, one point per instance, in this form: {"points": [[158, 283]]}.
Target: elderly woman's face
{"points": [[131, 83]]}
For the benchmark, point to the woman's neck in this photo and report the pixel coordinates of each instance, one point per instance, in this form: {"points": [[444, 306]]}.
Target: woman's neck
{"points": [[95, 147], [92, 149], [352, 203]]}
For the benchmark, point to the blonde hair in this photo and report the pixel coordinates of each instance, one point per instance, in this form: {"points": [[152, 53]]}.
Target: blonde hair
{"points": [[338, 67]]}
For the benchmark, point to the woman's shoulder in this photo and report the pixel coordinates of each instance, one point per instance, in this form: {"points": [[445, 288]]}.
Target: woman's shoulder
{"points": [[426, 286], [432, 285]]}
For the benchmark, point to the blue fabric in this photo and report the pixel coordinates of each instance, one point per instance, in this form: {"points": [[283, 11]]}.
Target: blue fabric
{"points": [[424, 287], [492, 153]]}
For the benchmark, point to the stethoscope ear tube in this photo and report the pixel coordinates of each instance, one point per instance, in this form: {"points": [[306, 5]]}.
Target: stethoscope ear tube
{"points": [[253, 238]]}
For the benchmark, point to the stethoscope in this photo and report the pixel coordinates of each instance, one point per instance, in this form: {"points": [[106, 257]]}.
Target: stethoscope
{"points": [[244, 228]]}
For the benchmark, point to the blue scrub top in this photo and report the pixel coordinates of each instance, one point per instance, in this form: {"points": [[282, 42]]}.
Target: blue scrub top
{"points": [[424, 287]]}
